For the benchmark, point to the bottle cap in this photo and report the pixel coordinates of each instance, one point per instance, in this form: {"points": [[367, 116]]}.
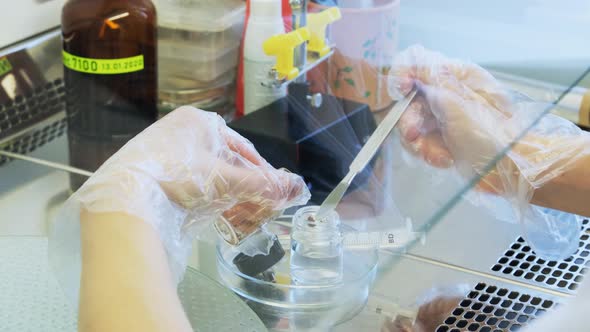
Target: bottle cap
{"points": [[254, 265]]}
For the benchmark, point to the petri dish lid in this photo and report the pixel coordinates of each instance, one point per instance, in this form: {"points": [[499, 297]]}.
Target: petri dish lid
{"points": [[201, 15]]}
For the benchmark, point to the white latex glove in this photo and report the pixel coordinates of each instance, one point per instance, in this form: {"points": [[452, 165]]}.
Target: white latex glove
{"points": [[179, 175], [464, 117], [447, 123]]}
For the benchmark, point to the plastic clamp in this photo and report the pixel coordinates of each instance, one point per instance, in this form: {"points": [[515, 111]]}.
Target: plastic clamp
{"points": [[317, 24], [282, 47]]}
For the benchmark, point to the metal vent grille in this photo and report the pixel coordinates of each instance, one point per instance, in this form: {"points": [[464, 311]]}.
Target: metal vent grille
{"points": [[31, 121], [488, 308], [521, 262], [35, 139]]}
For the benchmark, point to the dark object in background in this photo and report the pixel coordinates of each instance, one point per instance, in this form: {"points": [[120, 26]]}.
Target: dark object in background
{"points": [[110, 76], [317, 143]]}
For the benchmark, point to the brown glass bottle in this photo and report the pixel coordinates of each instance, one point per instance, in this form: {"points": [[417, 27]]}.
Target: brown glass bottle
{"points": [[110, 73]]}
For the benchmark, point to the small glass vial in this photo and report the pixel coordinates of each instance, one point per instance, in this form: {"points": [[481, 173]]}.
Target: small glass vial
{"points": [[243, 220], [316, 248]]}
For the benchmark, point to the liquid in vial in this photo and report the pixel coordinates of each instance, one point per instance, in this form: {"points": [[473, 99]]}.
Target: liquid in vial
{"points": [[316, 248]]}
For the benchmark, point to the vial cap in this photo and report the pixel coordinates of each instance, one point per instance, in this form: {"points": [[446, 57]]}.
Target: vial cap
{"points": [[254, 265]]}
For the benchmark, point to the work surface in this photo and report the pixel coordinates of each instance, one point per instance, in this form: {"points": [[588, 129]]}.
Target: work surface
{"points": [[454, 259]]}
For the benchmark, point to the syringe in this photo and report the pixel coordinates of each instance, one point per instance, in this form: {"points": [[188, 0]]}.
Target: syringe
{"points": [[397, 238], [389, 239]]}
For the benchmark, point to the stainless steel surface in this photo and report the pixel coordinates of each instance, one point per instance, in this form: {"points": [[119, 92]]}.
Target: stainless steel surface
{"points": [[33, 120], [520, 261], [45, 49], [366, 154], [488, 307], [412, 283]]}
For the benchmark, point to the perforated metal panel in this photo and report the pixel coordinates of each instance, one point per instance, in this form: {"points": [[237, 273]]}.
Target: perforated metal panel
{"points": [[489, 308], [31, 121], [29, 142], [521, 262]]}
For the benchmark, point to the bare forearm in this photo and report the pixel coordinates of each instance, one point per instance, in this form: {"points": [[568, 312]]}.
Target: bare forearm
{"points": [[126, 282]]}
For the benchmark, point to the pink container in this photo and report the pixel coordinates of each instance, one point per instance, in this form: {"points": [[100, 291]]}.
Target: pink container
{"points": [[366, 41]]}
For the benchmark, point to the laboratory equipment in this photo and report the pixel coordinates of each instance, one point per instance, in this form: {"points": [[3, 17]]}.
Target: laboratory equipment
{"points": [[198, 53], [302, 128], [313, 135], [265, 20], [366, 154], [316, 248], [317, 144], [110, 76], [361, 62], [285, 305]]}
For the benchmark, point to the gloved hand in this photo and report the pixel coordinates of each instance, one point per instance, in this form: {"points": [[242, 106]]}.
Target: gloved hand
{"points": [[449, 122], [179, 175], [464, 117]]}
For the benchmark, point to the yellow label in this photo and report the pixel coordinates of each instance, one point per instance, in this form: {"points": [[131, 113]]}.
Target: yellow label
{"points": [[103, 66], [5, 66]]}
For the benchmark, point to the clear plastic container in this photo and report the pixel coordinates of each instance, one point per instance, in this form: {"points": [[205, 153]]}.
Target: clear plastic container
{"points": [[217, 98], [199, 44], [286, 306], [184, 65]]}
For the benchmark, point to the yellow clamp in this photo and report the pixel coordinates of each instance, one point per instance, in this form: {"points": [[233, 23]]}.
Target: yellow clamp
{"points": [[317, 24], [282, 46]]}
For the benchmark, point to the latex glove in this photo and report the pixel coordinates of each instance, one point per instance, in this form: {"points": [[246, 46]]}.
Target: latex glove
{"points": [[446, 124], [464, 117], [179, 175]]}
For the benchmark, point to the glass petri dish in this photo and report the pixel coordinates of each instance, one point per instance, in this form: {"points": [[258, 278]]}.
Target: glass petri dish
{"points": [[284, 306]]}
